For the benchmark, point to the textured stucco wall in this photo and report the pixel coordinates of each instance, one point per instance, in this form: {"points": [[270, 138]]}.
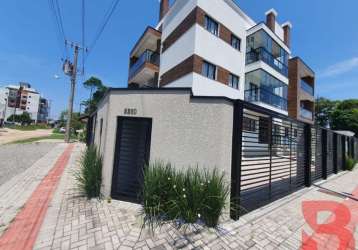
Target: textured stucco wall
{"points": [[185, 131]]}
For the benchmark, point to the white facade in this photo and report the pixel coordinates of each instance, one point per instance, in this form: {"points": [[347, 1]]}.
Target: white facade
{"points": [[213, 49], [29, 102]]}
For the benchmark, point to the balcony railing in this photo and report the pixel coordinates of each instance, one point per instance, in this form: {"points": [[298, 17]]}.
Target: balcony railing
{"points": [[265, 96], [307, 88], [147, 56], [306, 114], [261, 54]]}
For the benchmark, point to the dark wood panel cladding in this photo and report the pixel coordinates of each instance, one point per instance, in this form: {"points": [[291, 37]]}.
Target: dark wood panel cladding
{"points": [[293, 104], [187, 66], [197, 16], [225, 34], [299, 70], [223, 75], [192, 64]]}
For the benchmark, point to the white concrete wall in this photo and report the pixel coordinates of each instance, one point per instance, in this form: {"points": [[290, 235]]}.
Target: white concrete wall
{"points": [[177, 13], [179, 51], [199, 41], [185, 131], [102, 113], [3, 96], [32, 106]]}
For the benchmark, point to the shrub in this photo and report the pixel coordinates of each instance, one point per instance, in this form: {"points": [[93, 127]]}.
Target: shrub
{"points": [[183, 197], [350, 163], [89, 176]]}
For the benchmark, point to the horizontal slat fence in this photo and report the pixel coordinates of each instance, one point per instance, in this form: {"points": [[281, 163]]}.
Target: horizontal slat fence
{"points": [[277, 155]]}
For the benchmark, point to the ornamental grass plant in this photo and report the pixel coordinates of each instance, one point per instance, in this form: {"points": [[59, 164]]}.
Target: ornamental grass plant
{"points": [[89, 176], [183, 197]]}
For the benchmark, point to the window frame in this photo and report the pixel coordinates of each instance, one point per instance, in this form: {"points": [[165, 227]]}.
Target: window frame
{"points": [[208, 21], [230, 83], [248, 124], [205, 71], [234, 37]]}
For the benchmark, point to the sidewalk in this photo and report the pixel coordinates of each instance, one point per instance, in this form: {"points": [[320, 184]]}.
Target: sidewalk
{"points": [[69, 221], [17, 190], [72, 222]]}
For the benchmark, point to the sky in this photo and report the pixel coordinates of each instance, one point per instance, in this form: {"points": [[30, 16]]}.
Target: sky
{"points": [[324, 35]]}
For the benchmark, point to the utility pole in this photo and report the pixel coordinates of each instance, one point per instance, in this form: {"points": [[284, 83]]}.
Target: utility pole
{"points": [[73, 74]]}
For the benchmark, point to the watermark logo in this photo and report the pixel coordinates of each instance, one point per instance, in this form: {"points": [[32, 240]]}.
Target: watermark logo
{"points": [[335, 233]]}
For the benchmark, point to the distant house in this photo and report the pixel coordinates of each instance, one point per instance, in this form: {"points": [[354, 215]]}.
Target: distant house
{"points": [[17, 99]]}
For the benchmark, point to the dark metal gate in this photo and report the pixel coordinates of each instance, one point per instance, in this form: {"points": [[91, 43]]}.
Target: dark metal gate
{"points": [[272, 158], [131, 155], [316, 163], [330, 152], [274, 155]]}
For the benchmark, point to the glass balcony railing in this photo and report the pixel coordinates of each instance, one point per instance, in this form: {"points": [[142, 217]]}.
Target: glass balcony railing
{"points": [[261, 54], [147, 56], [306, 114], [265, 96], [307, 88]]}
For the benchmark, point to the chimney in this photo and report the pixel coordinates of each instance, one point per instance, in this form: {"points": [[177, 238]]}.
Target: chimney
{"points": [[287, 26], [271, 19], [164, 8]]}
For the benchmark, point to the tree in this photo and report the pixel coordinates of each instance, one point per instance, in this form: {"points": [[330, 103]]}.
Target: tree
{"points": [[96, 85], [345, 116], [76, 124], [324, 109], [24, 118]]}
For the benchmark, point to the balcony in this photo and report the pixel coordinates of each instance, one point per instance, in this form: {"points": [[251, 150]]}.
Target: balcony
{"points": [[307, 88], [306, 114], [144, 68], [265, 96], [261, 54]]}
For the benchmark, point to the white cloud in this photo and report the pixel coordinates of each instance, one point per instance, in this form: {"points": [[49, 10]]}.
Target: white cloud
{"points": [[340, 68]]}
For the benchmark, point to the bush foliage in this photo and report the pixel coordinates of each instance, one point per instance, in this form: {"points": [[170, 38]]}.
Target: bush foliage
{"points": [[350, 163], [89, 176], [183, 197]]}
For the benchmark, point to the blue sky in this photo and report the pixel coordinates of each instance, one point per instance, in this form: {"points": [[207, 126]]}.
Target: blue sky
{"points": [[324, 35]]}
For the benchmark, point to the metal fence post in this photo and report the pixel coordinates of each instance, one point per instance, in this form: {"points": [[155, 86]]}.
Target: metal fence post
{"points": [[308, 154], [344, 152], [324, 154], [236, 155], [335, 153]]}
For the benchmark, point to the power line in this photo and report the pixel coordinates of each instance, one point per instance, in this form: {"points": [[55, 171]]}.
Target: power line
{"points": [[83, 36], [101, 28], [58, 21]]}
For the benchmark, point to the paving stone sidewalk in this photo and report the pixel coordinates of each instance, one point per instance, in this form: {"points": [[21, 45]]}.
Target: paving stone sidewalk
{"points": [[16, 158], [72, 222], [16, 191]]}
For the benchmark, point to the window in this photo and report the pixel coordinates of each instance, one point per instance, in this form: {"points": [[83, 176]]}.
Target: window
{"points": [[264, 129], [249, 125], [235, 42], [234, 81], [209, 70], [211, 26]]}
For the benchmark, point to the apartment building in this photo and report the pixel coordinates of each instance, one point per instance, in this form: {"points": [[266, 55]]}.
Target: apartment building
{"points": [[214, 48], [20, 98], [206, 79]]}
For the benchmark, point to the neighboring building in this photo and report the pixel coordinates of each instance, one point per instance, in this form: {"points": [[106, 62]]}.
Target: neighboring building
{"points": [[301, 103], [22, 98], [214, 48], [43, 111]]}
